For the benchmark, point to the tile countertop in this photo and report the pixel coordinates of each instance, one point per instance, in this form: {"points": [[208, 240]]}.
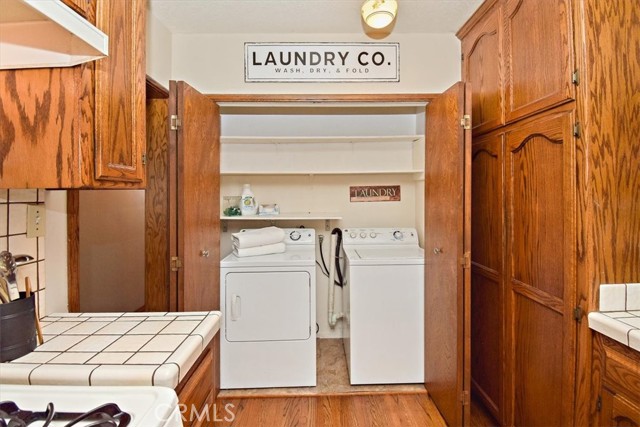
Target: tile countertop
{"points": [[114, 349], [619, 314]]}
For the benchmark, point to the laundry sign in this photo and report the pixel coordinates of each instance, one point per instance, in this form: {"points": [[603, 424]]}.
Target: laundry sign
{"points": [[375, 193], [322, 62]]}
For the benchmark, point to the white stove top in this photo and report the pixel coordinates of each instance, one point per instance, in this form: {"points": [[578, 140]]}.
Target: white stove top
{"points": [[147, 406]]}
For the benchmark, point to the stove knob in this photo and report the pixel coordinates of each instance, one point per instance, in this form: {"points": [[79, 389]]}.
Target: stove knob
{"points": [[295, 236], [363, 235], [398, 235], [373, 235], [353, 235]]}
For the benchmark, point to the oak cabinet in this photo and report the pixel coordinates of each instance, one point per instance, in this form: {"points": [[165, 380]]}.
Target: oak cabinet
{"points": [[483, 66], [82, 7], [617, 377], [539, 56], [487, 270], [570, 192], [82, 126]]}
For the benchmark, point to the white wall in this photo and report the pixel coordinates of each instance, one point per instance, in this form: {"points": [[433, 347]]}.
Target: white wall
{"points": [[214, 63], [158, 51], [56, 261]]}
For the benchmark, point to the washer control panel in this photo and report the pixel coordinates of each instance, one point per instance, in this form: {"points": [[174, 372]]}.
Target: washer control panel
{"points": [[380, 236]]}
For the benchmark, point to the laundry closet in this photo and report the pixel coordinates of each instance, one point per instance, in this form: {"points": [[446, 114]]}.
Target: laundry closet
{"points": [[305, 157]]}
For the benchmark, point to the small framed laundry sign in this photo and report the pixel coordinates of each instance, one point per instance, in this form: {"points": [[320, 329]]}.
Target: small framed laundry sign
{"points": [[375, 193]]}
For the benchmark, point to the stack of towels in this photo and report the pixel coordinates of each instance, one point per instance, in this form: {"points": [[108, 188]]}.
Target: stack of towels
{"points": [[260, 241]]}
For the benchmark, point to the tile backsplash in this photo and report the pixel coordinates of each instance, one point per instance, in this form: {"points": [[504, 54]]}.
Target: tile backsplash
{"points": [[13, 238]]}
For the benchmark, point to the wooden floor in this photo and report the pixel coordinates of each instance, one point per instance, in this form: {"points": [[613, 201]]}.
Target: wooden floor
{"points": [[384, 410], [329, 411]]}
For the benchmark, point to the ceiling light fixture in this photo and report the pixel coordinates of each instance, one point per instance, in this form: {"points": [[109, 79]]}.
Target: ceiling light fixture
{"points": [[379, 13]]}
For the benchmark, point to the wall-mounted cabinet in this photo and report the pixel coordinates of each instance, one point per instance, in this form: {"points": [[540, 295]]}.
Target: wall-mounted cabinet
{"points": [[81, 126]]}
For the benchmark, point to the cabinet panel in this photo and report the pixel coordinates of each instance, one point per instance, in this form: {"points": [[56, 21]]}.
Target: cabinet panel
{"points": [[538, 54], [80, 6], [120, 92], [39, 128], [487, 252], [540, 213], [482, 65]]}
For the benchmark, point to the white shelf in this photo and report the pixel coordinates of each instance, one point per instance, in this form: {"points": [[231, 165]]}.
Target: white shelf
{"points": [[47, 33], [285, 216], [317, 139], [370, 172]]}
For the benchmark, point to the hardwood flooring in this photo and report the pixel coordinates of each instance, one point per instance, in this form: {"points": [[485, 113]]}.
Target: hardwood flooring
{"points": [[384, 410]]}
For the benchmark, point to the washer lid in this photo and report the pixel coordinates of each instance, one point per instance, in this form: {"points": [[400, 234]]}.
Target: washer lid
{"points": [[385, 255], [292, 257]]}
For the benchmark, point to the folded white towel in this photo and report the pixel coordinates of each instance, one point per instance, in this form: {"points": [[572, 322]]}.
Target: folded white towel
{"points": [[257, 237], [276, 248]]}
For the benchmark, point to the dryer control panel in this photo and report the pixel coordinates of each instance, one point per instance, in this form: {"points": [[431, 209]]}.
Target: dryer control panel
{"points": [[299, 236], [379, 236]]}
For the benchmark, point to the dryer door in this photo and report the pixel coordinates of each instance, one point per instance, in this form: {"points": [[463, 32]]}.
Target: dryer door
{"points": [[267, 306]]}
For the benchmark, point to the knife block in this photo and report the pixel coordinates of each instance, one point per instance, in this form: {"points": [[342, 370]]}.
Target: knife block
{"points": [[17, 328]]}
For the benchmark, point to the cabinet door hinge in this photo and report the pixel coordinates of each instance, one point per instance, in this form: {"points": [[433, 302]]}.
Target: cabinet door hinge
{"points": [[577, 314], [144, 159], [465, 121], [577, 130], [575, 77], [176, 263], [464, 398], [465, 261], [174, 122], [599, 404]]}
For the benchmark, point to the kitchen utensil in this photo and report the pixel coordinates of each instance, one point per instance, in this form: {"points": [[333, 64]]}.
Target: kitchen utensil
{"points": [[8, 272], [4, 291], [27, 288]]}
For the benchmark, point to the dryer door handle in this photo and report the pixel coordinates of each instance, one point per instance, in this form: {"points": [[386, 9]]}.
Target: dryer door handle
{"points": [[236, 307]]}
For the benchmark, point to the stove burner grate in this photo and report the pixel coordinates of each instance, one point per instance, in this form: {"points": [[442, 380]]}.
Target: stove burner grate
{"points": [[107, 415]]}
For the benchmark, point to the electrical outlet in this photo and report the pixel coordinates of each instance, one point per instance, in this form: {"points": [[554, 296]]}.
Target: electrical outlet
{"points": [[35, 221]]}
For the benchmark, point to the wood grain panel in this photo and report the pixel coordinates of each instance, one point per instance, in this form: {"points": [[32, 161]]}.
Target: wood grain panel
{"points": [[482, 66], [39, 115], [538, 366], [120, 92], [539, 56], [541, 243], [81, 7], [73, 250], [198, 196], [157, 225], [487, 201], [613, 64], [538, 209], [486, 341], [447, 221]]}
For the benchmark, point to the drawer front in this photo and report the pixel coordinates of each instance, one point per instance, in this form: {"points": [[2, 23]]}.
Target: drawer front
{"points": [[196, 394], [622, 369]]}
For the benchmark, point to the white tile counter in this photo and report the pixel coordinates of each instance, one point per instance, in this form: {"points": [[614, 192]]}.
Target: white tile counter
{"points": [[619, 314], [115, 349]]}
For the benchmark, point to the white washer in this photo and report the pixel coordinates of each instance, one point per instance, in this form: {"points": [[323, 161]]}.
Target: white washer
{"points": [[383, 302], [268, 305]]}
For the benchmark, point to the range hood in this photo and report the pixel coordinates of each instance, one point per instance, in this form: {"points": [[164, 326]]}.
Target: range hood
{"points": [[46, 33]]}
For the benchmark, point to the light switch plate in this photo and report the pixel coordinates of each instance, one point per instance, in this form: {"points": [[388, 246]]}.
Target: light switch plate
{"points": [[35, 221]]}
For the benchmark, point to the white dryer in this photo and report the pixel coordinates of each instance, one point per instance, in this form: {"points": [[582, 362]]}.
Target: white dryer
{"points": [[268, 305], [383, 303]]}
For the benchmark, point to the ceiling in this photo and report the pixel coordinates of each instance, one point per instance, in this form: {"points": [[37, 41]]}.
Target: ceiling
{"points": [[305, 16]]}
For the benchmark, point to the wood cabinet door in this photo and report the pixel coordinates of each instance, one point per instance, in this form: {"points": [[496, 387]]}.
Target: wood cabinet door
{"points": [[487, 273], [120, 92], [617, 411], [541, 236], [447, 243], [80, 6], [194, 150], [482, 66], [539, 55]]}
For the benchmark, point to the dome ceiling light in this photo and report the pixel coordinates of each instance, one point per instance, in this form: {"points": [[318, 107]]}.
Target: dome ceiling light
{"points": [[379, 13]]}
